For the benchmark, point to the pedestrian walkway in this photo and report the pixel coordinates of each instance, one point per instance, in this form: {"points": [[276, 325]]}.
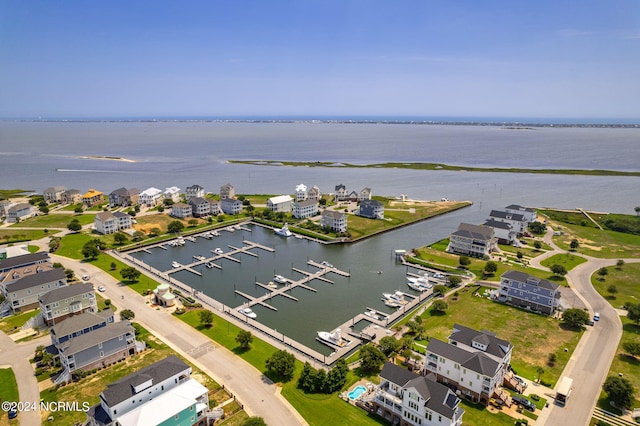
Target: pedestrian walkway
{"points": [[611, 418]]}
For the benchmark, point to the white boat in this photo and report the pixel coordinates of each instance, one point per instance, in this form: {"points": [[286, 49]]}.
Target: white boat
{"points": [[237, 227], [397, 297], [207, 235], [418, 286], [215, 233], [175, 264], [334, 339], [280, 279], [284, 231], [371, 313], [272, 285], [390, 303], [326, 264], [192, 239], [217, 250], [198, 257], [248, 312]]}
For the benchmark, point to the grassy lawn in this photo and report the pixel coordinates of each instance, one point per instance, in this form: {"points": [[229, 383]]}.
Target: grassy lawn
{"points": [[594, 242], [626, 282], [89, 388], [528, 251], [7, 235], [8, 392], [53, 220], [14, 322], [71, 245], [479, 415], [258, 198], [568, 260], [534, 337]]}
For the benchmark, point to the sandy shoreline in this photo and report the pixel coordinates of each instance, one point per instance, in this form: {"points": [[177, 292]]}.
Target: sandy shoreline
{"points": [[103, 157]]}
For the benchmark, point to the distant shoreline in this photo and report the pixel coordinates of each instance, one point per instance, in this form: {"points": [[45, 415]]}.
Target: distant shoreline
{"points": [[105, 157]]}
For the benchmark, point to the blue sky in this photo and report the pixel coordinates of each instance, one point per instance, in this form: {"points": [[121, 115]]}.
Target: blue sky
{"points": [[320, 58]]}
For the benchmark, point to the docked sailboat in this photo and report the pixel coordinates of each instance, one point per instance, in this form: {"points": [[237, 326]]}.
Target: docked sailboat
{"points": [[284, 231]]}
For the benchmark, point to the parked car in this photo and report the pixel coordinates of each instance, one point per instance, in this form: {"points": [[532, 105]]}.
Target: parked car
{"points": [[596, 316], [85, 278], [521, 381], [524, 402], [496, 403], [101, 288]]}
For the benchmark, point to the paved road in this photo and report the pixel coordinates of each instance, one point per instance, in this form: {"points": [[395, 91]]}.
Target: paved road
{"points": [[258, 394]]}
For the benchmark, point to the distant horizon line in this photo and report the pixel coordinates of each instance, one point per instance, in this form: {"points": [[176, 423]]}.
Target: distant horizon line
{"points": [[389, 119]]}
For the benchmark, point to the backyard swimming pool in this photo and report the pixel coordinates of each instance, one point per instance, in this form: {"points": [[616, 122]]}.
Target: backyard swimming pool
{"points": [[357, 392]]}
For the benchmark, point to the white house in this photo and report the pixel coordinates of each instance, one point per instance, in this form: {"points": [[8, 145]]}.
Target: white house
{"points": [[305, 208], [301, 192], [340, 192], [231, 206], [227, 191], [20, 212], [502, 231], [314, 193], [108, 223], [281, 203], [53, 194], [181, 210], [364, 194], [150, 197], [194, 191], [172, 193], [200, 207], [473, 240], [516, 220], [336, 221], [529, 214]]}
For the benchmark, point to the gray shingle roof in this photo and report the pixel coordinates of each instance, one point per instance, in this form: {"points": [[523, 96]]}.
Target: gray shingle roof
{"points": [[474, 231], [65, 292], [465, 335], [306, 203], [497, 224], [103, 216], [101, 335], [35, 280], [485, 366], [25, 259], [519, 207], [398, 375], [80, 322], [506, 215], [122, 389]]}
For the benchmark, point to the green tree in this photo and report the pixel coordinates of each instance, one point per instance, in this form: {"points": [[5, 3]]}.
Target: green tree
{"points": [[454, 280], [90, 251], [113, 266], [417, 329], [389, 346], [612, 290], [632, 348], [519, 255], [575, 317], [307, 379], [254, 421], [633, 312], [120, 238], [603, 273], [464, 261], [620, 264], [193, 222], [371, 359], [637, 209], [574, 245], [138, 236], [558, 270], [439, 306], [69, 273], [130, 273], [168, 202], [78, 209], [321, 381], [175, 227], [282, 364], [537, 228], [439, 290], [127, 314], [537, 245], [74, 225], [490, 268], [206, 318], [540, 372], [620, 391], [244, 339], [155, 231]]}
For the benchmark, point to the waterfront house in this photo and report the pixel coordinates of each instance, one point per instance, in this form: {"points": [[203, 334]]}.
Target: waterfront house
{"points": [[172, 193], [340, 192], [123, 197], [150, 197], [200, 207], [124, 220], [473, 363], [529, 214], [408, 399], [81, 324], [529, 292], [352, 197], [281, 203], [181, 210], [194, 191], [63, 302], [92, 197], [516, 220], [336, 221], [364, 194], [473, 240], [71, 196], [21, 211], [305, 208], [314, 193], [17, 262], [108, 223], [372, 209], [53, 194], [215, 206], [162, 394], [97, 348], [5, 205], [23, 293], [301, 192], [227, 191], [231, 206], [502, 231]]}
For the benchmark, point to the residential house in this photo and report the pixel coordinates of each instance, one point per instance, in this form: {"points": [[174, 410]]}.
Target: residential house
{"points": [[71, 196], [98, 348], [281, 203], [529, 214], [408, 399], [151, 197], [516, 220], [53, 194], [352, 197], [5, 205], [162, 394], [314, 193], [526, 291], [364, 194], [215, 206], [123, 197], [301, 192], [10, 264], [92, 197], [227, 191], [473, 363], [108, 223], [64, 302], [336, 221], [305, 208], [21, 211], [231, 206], [340, 192], [194, 191], [473, 240], [163, 296], [125, 221], [200, 207], [181, 210], [81, 324], [172, 193], [502, 231], [17, 273], [23, 293], [372, 209]]}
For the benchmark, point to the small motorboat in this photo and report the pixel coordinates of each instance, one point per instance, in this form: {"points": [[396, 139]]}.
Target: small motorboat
{"points": [[284, 231], [280, 279], [248, 312], [217, 250], [175, 264]]}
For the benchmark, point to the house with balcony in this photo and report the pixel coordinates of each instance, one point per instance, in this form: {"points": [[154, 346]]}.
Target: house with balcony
{"points": [[408, 399], [473, 363], [473, 240], [123, 197], [17, 273], [529, 292], [81, 324], [364, 194], [172, 193], [71, 196], [181, 210], [336, 221], [314, 193], [109, 223], [20, 212], [23, 292], [5, 205], [502, 231], [281, 203], [529, 214], [151, 197], [305, 208], [200, 207], [194, 191], [53, 194], [64, 302], [91, 198], [372, 209], [13, 263], [516, 220], [231, 206], [227, 191], [340, 192], [162, 394], [301, 192]]}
